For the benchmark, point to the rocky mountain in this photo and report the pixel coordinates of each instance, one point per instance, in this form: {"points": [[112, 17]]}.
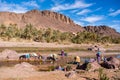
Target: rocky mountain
{"points": [[102, 30], [48, 19], [40, 19]]}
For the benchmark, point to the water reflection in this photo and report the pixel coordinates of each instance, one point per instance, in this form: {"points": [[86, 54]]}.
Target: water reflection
{"points": [[118, 56]]}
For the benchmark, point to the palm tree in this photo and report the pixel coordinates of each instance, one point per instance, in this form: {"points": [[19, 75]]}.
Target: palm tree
{"points": [[2, 30], [29, 32]]}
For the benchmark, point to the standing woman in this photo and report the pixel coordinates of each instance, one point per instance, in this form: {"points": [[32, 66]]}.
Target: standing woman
{"points": [[62, 53], [98, 55]]}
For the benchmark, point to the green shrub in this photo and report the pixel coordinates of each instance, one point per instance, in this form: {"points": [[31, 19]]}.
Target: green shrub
{"points": [[102, 76], [88, 67], [51, 68]]}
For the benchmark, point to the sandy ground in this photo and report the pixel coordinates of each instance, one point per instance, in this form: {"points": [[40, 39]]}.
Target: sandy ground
{"points": [[34, 44], [25, 71], [56, 45], [12, 73]]}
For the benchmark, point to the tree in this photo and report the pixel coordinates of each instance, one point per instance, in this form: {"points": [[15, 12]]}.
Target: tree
{"points": [[11, 31], [2, 30], [56, 36], [106, 39], [39, 36], [29, 32], [48, 34]]}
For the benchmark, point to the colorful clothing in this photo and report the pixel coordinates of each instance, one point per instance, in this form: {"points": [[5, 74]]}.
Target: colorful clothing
{"points": [[62, 53], [28, 55], [98, 56]]}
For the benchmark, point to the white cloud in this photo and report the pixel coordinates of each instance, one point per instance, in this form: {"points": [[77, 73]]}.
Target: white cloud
{"points": [[73, 11], [116, 27], [85, 11], [79, 23], [18, 8], [30, 3], [77, 4], [116, 21], [115, 24], [92, 19], [98, 9], [115, 13]]}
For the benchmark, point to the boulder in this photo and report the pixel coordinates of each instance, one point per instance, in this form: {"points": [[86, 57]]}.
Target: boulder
{"points": [[90, 66], [111, 63]]}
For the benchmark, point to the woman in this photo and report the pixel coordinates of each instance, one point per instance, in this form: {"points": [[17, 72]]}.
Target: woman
{"points": [[98, 56]]}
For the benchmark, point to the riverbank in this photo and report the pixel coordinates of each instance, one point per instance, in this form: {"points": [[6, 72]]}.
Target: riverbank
{"points": [[42, 47]]}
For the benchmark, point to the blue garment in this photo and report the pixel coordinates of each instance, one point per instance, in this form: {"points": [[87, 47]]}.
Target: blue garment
{"points": [[98, 54], [28, 55]]}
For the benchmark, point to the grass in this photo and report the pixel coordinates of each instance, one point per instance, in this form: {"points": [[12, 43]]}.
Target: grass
{"points": [[88, 67], [102, 76]]}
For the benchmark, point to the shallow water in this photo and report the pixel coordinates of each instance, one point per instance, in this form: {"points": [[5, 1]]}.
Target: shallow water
{"points": [[118, 56], [83, 58], [36, 63]]}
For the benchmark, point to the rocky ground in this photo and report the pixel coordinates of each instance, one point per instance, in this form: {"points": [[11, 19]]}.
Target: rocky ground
{"points": [[26, 71]]}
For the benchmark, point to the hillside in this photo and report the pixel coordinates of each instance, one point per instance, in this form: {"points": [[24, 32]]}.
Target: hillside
{"points": [[40, 19], [102, 30]]}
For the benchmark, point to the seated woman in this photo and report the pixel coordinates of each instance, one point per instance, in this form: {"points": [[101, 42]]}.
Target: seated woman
{"points": [[77, 60]]}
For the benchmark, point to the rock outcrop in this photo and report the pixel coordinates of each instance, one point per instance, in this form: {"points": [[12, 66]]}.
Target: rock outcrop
{"points": [[111, 63], [57, 16]]}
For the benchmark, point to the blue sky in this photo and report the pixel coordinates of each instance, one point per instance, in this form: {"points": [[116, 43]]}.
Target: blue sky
{"points": [[82, 12]]}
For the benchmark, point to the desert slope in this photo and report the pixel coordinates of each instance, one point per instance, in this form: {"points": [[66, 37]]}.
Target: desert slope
{"points": [[40, 19]]}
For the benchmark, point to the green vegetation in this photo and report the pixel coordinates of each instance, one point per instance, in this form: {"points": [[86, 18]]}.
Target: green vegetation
{"points": [[102, 76], [49, 35], [88, 67], [41, 49]]}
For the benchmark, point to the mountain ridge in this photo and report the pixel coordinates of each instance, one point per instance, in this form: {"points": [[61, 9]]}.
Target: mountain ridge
{"points": [[48, 19], [102, 30], [40, 19]]}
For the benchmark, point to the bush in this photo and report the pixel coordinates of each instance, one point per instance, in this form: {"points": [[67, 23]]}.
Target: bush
{"points": [[102, 76]]}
